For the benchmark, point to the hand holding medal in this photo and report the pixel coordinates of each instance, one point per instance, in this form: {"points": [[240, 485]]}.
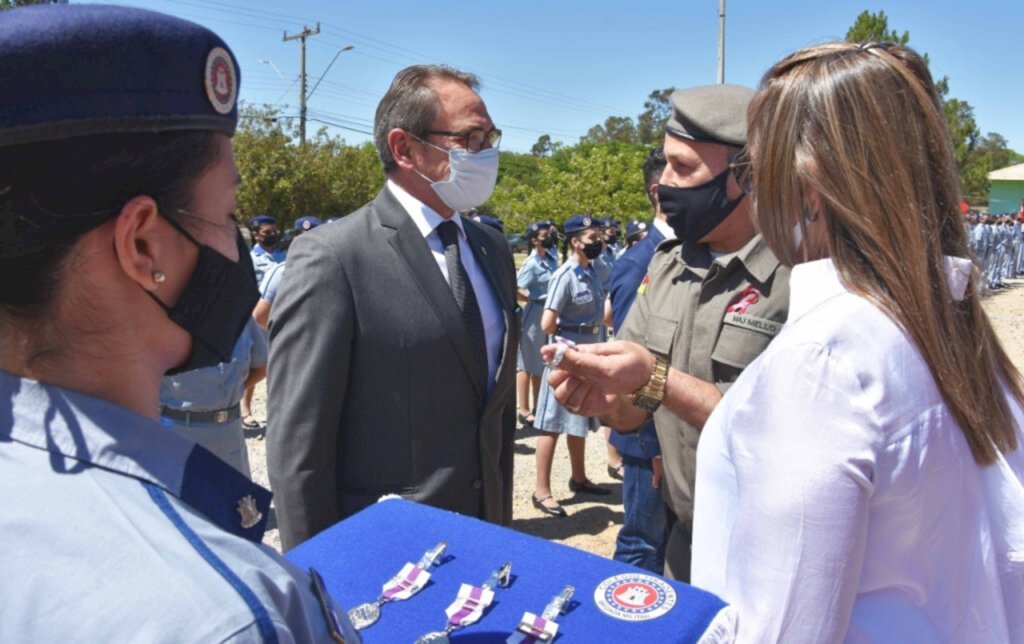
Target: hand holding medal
{"points": [[409, 581], [469, 605]]}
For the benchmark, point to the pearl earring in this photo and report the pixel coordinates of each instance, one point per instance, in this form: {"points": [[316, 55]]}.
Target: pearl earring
{"points": [[159, 277]]}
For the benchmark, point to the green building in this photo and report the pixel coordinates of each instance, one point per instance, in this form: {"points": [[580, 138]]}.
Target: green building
{"points": [[1007, 189]]}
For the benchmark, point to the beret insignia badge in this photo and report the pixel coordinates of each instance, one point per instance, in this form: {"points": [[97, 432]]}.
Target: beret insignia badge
{"points": [[221, 80]]}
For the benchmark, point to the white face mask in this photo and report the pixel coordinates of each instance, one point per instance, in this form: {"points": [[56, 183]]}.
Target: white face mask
{"points": [[798, 236], [471, 177]]}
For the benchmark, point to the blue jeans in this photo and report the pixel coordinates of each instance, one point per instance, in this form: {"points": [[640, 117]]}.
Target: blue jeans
{"points": [[641, 541]]}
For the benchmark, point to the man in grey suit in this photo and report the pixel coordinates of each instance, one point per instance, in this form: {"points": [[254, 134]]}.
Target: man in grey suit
{"points": [[393, 340]]}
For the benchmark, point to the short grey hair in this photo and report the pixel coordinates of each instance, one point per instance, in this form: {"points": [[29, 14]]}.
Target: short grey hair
{"points": [[411, 104]]}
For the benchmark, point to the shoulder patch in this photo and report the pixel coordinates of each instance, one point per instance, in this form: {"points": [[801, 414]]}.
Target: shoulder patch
{"points": [[643, 285]]}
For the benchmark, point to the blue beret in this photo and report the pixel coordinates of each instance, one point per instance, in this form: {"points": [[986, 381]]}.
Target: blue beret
{"points": [[259, 220], [635, 227], [536, 227], [302, 224], [76, 70], [490, 221], [577, 223]]}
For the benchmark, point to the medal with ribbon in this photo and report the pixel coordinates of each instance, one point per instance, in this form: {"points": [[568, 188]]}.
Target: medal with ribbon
{"points": [[409, 581], [543, 628], [469, 605]]}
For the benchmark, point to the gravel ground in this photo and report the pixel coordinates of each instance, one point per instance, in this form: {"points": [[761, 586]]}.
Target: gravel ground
{"points": [[593, 522]]}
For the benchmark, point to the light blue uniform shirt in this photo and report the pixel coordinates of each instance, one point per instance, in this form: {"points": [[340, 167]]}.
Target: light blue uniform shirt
{"points": [[263, 260], [535, 274], [116, 529], [577, 294], [271, 282], [220, 386]]}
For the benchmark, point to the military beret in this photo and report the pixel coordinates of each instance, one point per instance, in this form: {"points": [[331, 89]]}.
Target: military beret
{"points": [[302, 224], [713, 113], [634, 228], [536, 227], [259, 220], [490, 221], [577, 223], [76, 70]]}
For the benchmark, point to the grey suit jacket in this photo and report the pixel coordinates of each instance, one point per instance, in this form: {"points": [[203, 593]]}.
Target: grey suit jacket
{"points": [[370, 386]]}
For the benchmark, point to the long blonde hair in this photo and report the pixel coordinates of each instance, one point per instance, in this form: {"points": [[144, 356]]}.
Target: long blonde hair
{"points": [[862, 126]]}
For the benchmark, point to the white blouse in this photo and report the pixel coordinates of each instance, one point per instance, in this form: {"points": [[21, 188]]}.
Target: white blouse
{"points": [[837, 498]]}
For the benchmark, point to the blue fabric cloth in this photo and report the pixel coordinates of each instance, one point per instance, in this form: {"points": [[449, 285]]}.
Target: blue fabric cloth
{"points": [[641, 540], [578, 296], [71, 70], [271, 282], [534, 276], [222, 385], [215, 388], [629, 272], [359, 554], [627, 275], [97, 556], [263, 260]]}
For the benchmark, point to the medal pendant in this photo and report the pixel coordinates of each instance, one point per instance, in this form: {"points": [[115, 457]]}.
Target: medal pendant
{"points": [[364, 615]]}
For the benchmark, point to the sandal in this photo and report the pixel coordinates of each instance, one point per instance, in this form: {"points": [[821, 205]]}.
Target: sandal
{"points": [[250, 422], [526, 420], [615, 472], [557, 511]]}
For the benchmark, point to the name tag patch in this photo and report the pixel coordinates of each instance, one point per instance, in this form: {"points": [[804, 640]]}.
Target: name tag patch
{"points": [[753, 323], [582, 296]]}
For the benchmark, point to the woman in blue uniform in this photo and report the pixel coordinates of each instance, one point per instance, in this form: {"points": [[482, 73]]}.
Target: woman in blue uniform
{"points": [[120, 262], [574, 310], [533, 277], [203, 405]]}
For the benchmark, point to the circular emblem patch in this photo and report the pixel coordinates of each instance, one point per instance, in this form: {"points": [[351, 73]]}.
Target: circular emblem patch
{"points": [[221, 80], [586, 222], [634, 597]]}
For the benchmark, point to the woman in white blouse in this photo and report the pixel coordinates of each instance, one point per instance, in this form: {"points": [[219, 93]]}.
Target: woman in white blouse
{"points": [[862, 480]]}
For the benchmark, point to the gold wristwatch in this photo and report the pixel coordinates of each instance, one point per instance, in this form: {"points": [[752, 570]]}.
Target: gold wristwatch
{"points": [[650, 395]]}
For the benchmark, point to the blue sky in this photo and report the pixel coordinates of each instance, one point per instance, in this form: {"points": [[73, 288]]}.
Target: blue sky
{"points": [[561, 66]]}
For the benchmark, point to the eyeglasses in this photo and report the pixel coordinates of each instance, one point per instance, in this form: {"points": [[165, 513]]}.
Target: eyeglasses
{"points": [[743, 171], [473, 140]]}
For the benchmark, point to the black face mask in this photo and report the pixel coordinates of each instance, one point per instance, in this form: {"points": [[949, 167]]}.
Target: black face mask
{"points": [[613, 239], [270, 240], [216, 304], [593, 249], [547, 242], [694, 212]]}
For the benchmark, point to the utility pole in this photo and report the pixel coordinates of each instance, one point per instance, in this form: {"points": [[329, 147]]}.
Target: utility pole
{"points": [[301, 37], [721, 41]]}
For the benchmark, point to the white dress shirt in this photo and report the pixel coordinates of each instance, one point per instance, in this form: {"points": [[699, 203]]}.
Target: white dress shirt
{"points": [[427, 220], [837, 498]]}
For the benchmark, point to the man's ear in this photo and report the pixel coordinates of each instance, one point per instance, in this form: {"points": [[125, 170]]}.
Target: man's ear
{"points": [[141, 242], [400, 144]]}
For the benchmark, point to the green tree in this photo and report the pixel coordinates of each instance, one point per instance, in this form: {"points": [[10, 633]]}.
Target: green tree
{"points": [[542, 147], [325, 178], [11, 4], [605, 180], [650, 124], [963, 129], [992, 152], [874, 27], [616, 129]]}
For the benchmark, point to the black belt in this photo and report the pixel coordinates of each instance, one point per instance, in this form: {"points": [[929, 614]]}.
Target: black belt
{"points": [[218, 417], [585, 329]]}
